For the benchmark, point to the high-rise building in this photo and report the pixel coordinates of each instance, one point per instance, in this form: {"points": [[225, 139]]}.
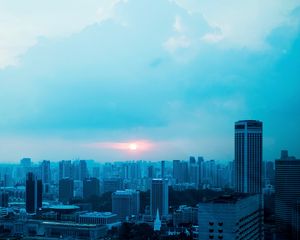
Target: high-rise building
{"points": [[65, 169], [269, 173], [112, 184], [180, 171], [248, 156], [159, 197], [83, 171], [151, 173], [287, 190], [296, 220], [66, 190], [91, 187], [34, 191], [237, 216], [126, 203], [163, 169], [200, 164], [46, 175]]}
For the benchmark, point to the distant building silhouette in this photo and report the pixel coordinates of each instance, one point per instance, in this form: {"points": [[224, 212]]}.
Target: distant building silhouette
{"points": [[66, 190], [112, 184], [46, 175], [248, 156], [287, 191], [162, 169], [180, 171], [34, 191], [126, 203], [65, 169], [159, 197], [91, 187]]}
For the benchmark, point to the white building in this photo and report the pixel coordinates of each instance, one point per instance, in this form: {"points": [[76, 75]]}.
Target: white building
{"points": [[238, 216]]}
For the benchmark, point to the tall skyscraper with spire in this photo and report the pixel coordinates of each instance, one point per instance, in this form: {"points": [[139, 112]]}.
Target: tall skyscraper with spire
{"points": [[248, 156]]}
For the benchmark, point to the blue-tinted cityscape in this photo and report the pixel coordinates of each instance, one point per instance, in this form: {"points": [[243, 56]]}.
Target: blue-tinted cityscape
{"points": [[150, 120], [195, 198]]}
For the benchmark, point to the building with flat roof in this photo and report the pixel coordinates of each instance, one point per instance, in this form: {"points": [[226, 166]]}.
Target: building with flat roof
{"points": [[126, 203], [237, 216], [159, 197], [248, 143], [102, 218], [287, 191]]}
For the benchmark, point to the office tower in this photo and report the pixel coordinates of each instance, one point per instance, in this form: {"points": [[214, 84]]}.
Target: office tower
{"points": [[112, 184], [200, 164], [96, 172], [91, 187], [296, 220], [126, 203], [65, 169], [194, 174], [270, 173], [287, 190], [34, 189], [248, 156], [159, 197], [209, 173], [46, 175], [83, 172], [237, 216], [151, 172], [192, 160], [162, 169], [66, 190], [180, 171]]}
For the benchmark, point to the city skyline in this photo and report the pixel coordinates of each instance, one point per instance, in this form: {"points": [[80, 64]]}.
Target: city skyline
{"points": [[104, 74]]}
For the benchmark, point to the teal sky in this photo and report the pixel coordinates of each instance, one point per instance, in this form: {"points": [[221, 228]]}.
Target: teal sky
{"points": [[85, 78]]}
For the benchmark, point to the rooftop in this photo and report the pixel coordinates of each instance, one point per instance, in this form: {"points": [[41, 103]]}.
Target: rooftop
{"points": [[230, 198], [98, 214]]}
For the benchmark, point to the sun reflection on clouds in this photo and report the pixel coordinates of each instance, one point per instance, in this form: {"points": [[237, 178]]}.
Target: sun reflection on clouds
{"points": [[132, 146]]}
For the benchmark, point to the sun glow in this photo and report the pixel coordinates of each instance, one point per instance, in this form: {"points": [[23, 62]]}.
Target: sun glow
{"points": [[132, 146]]}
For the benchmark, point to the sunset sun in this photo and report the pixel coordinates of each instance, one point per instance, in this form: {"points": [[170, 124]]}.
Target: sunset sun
{"points": [[132, 146]]}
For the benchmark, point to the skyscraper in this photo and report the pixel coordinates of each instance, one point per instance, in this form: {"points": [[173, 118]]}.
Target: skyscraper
{"points": [[126, 203], [34, 189], [248, 156], [46, 175], [162, 169], [65, 169], [180, 171], [159, 197], [66, 190], [287, 190], [91, 187]]}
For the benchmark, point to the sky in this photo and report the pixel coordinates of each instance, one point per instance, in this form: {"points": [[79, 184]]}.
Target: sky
{"points": [[114, 80]]}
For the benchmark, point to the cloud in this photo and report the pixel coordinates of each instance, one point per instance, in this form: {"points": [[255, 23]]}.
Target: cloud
{"points": [[175, 43], [23, 23], [242, 23]]}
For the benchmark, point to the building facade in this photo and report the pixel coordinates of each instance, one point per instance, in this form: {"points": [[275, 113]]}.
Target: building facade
{"points": [[126, 203], [159, 197], [248, 156], [34, 191], [237, 216], [287, 191]]}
